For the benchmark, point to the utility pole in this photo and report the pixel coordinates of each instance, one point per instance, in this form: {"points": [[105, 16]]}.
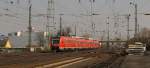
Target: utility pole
{"points": [[138, 28], [103, 34], [93, 24], [30, 25], [108, 32], [136, 23], [75, 30], [60, 24], [128, 26]]}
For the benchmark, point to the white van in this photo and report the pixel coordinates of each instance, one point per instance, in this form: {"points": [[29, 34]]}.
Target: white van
{"points": [[137, 48]]}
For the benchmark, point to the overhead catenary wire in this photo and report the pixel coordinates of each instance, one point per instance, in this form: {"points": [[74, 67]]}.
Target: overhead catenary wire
{"points": [[14, 14], [18, 7]]}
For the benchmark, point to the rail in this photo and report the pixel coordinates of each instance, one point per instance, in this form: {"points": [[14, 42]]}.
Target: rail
{"points": [[114, 62]]}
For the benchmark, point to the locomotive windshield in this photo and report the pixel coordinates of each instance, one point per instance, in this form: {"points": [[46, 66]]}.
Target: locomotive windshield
{"points": [[55, 41]]}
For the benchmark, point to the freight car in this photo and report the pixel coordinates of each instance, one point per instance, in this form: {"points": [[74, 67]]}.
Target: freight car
{"points": [[71, 43]]}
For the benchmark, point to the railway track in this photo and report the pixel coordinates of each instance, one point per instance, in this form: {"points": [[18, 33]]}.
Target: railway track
{"points": [[95, 61], [59, 59], [65, 63], [111, 62], [114, 61]]}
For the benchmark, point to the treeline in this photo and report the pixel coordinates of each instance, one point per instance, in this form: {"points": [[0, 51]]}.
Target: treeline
{"points": [[143, 36]]}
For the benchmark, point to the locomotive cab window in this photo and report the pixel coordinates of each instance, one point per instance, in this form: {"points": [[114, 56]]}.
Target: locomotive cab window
{"points": [[55, 41]]}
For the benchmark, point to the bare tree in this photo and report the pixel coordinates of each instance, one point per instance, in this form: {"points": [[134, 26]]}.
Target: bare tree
{"points": [[143, 36]]}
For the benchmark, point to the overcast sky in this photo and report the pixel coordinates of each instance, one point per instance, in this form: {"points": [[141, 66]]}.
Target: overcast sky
{"points": [[14, 15]]}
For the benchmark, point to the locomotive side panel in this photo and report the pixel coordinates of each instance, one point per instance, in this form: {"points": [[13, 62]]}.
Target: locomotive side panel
{"points": [[73, 43]]}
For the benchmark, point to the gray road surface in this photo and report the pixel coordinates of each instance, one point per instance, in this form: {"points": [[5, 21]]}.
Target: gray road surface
{"points": [[136, 61]]}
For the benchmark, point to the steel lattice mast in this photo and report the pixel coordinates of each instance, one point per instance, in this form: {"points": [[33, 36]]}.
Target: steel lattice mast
{"points": [[50, 19]]}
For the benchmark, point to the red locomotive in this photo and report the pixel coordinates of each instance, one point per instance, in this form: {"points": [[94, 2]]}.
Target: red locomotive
{"points": [[61, 43]]}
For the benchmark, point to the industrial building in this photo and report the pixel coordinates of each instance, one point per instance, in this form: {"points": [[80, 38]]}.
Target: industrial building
{"points": [[20, 39]]}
